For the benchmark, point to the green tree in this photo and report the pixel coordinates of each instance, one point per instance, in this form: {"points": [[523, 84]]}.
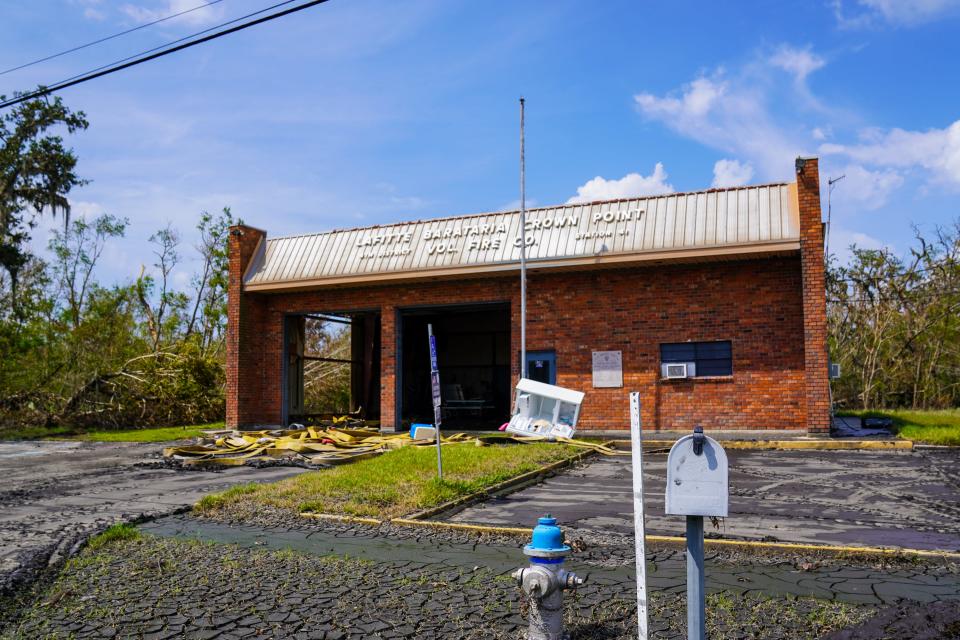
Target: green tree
{"points": [[37, 173], [77, 249], [895, 325], [209, 316]]}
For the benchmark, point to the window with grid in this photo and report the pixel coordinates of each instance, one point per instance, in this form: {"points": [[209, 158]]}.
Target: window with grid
{"points": [[711, 358]]}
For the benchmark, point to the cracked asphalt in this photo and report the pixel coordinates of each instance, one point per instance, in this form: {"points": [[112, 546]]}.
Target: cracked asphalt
{"points": [[264, 572], [300, 578], [54, 493], [859, 498]]}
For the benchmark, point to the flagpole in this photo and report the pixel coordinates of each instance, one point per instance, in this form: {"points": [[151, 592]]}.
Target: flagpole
{"points": [[523, 250]]}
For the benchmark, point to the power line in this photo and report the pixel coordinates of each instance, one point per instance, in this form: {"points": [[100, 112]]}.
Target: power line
{"points": [[168, 44], [116, 35], [141, 57]]}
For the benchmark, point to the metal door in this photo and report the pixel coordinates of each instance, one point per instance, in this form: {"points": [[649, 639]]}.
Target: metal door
{"points": [[542, 366]]}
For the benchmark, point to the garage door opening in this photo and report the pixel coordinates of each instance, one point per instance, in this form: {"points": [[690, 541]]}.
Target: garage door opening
{"points": [[473, 354], [332, 366]]}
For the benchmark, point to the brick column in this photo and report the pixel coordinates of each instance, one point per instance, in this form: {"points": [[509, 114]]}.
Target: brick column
{"points": [[389, 420], [814, 296], [242, 366]]}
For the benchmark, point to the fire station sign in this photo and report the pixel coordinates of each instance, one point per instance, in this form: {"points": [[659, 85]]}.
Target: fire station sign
{"points": [[574, 234]]}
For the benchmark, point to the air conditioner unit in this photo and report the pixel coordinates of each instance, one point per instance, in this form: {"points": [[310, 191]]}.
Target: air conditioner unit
{"points": [[678, 370]]}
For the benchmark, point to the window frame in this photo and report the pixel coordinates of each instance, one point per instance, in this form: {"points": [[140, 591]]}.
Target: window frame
{"points": [[699, 358]]}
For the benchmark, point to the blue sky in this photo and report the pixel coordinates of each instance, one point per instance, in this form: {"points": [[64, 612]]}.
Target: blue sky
{"points": [[358, 112]]}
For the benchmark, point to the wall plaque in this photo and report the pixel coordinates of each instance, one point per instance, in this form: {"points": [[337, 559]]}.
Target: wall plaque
{"points": [[607, 369]]}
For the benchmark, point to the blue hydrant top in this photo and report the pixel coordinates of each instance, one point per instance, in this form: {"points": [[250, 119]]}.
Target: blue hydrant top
{"points": [[547, 541]]}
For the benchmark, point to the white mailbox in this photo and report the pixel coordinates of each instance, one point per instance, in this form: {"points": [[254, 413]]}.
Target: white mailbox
{"points": [[544, 410], [697, 483]]}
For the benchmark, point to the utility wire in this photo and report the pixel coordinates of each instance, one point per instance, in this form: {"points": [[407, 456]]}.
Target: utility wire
{"points": [[171, 43], [116, 35], [142, 57]]}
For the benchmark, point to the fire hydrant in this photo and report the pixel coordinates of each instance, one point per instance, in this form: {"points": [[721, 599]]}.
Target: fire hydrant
{"points": [[545, 580]]}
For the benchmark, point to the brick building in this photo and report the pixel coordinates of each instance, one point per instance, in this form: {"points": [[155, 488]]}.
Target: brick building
{"points": [[727, 282]]}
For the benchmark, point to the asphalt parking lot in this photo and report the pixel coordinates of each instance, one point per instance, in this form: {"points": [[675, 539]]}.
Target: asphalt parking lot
{"points": [[279, 575], [861, 498], [54, 493]]}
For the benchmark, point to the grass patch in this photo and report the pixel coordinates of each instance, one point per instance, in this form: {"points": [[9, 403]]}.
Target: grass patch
{"points": [[113, 534], [732, 615], [396, 483], [34, 433], [152, 434], [216, 501], [157, 434], [929, 427]]}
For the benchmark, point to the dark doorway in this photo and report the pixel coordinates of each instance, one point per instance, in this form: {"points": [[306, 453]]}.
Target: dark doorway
{"points": [[332, 366], [473, 354]]}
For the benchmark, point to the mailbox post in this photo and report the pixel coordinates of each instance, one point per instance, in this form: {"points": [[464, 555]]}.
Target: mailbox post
{"points": [[697, 486]]}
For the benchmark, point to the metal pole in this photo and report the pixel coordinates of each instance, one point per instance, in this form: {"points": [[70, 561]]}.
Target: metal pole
{"points": [[826, 240], [639, 528], [435, 389], [696, 603], [831, 182], [523, 250]]}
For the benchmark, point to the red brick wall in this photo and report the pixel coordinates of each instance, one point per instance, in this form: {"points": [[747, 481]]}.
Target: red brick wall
{"points": [[754, 303], [244, 392], [814, 298]]}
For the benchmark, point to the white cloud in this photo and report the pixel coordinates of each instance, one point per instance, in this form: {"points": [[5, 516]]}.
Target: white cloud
{"points": [[629, 186], [94, 14], [199, 18], [844, 238], [936, 150], [728, 114], [85, 210], [868, 13], [731, 173], [92, 9], [841, 240], [864, 189], [753, 114], [756, 112], [799, 62]]}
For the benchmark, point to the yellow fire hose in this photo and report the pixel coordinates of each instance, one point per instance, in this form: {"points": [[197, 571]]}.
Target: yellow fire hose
{"points": [[330, 445]]}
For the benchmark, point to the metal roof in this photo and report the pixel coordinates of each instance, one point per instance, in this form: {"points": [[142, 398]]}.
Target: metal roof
{"points": [[718, 222]]}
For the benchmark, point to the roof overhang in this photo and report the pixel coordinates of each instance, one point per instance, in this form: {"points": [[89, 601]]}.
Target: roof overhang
{"points": [[718, 224], [646, 259]]}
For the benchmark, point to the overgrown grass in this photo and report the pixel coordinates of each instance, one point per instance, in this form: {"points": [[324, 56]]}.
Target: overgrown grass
{"points": [[929, 427], [152, 434], [396, 483], [112, 534]]}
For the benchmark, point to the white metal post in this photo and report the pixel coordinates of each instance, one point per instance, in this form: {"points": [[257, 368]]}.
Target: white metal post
{"points": [[435, 388], [696, 597], [639, 527], [523, 249]]}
